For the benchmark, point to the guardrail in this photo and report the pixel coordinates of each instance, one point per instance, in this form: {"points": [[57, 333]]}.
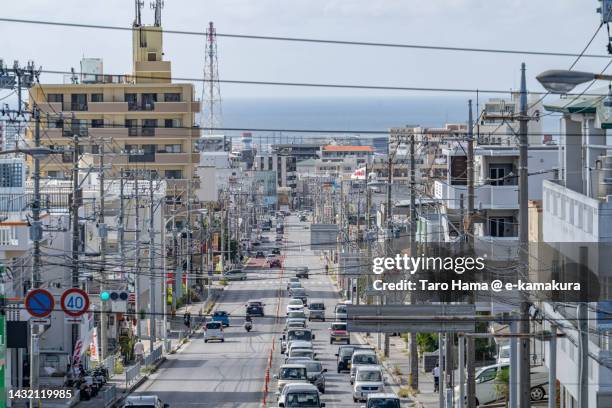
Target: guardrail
{"points": [[153, 356], [132, 374], [109, 395]]}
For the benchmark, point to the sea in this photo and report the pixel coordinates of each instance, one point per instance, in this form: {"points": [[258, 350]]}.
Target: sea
{"points": [[344, 115]]}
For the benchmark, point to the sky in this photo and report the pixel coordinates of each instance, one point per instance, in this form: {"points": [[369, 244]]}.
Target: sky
{"points": [[559, 25]]}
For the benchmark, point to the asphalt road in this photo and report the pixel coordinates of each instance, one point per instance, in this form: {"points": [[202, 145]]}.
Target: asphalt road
{"points": [[232, 374]]}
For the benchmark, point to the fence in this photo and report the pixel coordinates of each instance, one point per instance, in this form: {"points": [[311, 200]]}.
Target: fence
{"points": [[132, 374], [108, 395], [109, 364], [153, 356]]}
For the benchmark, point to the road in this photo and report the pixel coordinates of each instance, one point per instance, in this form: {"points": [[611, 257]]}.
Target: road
{"points": [[232, 374]]}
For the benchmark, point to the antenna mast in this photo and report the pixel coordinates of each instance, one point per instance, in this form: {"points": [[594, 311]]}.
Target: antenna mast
{"points": [[157, 5], [211, 91], [138, 5]]}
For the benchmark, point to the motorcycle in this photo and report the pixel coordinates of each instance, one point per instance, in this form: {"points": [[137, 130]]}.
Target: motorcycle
{"points": [[248, 326]]}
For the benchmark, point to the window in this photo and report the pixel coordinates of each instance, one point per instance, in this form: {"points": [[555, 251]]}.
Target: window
{"points": [[173, 148], [148, 127], [501, 227], [172, 97], [97, 123], [151, 56], [173, 174], [11, 175], [148, 101], [498, 174], [78, 102], [487, 375], [169, 123], [53, 174], [55, 98], [131, 100], [97, 97]]}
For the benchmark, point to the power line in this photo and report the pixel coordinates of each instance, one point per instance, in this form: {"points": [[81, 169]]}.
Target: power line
{"points": [[314, 40]]}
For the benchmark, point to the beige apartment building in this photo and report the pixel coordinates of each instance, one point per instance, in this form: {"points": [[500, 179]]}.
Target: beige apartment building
{"points": [[140, 120]]}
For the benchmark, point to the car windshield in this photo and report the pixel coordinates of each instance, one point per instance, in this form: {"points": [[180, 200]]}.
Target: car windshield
{"points": [[214, 325], [313, 367], [296, 302], [365, 359], [384, 403], [369, 376], [302, 399], [299, 291], [346, 351], [316, 306], [293, 373], [340, 309], [301, 353], [338, 326], [295, 285], [297, 315], [299, 335], [220, 313]]}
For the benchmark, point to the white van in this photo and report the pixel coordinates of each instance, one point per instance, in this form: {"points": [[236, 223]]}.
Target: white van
{"points": [[213, 331]]}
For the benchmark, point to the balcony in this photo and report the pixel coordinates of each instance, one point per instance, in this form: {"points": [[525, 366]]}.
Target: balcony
{"points": [[50, 107], [14, 238], [174, 133], [176, 158], [172, 107], [142, 158], [486, 197], [103, 132], [145, 107], [75, 107], [108, 107]]}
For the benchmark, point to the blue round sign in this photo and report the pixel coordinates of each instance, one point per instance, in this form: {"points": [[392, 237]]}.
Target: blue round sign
{"points": [[39, 303]]}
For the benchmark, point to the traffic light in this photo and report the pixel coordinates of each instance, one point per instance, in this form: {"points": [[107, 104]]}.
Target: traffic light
{"points": [[114, 296]]}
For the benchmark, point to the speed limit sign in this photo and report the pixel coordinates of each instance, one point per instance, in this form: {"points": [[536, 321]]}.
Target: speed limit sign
{"points": [[75, 302]]}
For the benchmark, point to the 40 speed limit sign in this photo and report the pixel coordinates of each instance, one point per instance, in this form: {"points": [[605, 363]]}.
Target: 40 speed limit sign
{"points": [[75, 302]]}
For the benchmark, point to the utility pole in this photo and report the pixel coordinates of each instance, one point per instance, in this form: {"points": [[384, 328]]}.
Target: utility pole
{"points": [[388, 224], [152, 278], [178, 267], [189, 235], [469, 223], [137, 256], [414, 356], [75, 227], [36, 236], [102, 232], [524, 352], [582, 315], [121, 227]]}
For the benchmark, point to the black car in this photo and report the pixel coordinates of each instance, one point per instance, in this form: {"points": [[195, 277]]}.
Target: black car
{"points": [[260, 254], [276, 251], [345, 354], [302, 272], [303, 218], [255, 308]]}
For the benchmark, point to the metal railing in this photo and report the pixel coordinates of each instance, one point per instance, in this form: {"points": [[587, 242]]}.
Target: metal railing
{"points": [[108, 395], [109, 364], [153, 356], [132, 374]]}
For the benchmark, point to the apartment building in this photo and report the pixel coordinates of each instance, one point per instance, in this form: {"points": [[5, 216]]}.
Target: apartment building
{"points": [[141, 120], [577, 229]]}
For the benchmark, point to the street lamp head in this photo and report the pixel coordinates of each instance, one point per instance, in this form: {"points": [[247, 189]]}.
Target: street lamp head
{"points": [[561, 81]]}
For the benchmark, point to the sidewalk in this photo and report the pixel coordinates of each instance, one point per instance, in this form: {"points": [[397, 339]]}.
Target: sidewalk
{"points": [[119, 386]]}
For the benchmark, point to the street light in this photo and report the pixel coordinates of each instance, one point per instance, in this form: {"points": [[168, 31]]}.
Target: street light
{"points": [[39, 153], [561, 81]]}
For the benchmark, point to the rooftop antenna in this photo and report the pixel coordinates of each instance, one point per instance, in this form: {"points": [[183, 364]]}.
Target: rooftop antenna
{"points": [[157, 5], [211, 91], [138, 6]]}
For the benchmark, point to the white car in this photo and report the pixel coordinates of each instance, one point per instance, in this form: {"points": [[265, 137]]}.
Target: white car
{"points": [[361, 358], [144, 401], [213, 331], [290, 373], [379, 400], [301, 344], [295, 305], [488, 389], [369, 379], [303, 396]]}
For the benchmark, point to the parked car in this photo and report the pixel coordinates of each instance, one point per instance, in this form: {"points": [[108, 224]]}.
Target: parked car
{"points": [[304, 396], [234, 274], [144, 401], [345, 354], [221, 316], [316, 310], [290, 373], [362, 358], [315, 371], [338, 333], [213, 331], [255, 308], [340, 312], [302, 272], [382, 400], [487, 384]]}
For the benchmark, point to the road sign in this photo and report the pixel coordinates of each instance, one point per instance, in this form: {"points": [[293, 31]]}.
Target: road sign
{"points": [[40, 320], [75, 302], [420, 318], [73, 320], [39, 303]]}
